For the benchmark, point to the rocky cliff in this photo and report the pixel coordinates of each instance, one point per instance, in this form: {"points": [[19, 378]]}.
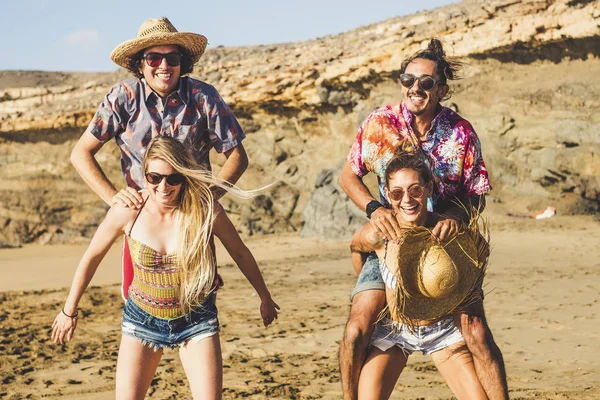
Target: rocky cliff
{"points": [[530, 89]]}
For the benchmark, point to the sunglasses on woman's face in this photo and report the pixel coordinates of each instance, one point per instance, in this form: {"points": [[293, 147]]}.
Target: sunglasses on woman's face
{"points": [[416, 191], [155, 59], [426, 82], [175, 179]]}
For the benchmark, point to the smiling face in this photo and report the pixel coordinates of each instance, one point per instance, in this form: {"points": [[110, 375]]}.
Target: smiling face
{"points": [[411, 210], [163, 193], [164, 78], [418, 101]]}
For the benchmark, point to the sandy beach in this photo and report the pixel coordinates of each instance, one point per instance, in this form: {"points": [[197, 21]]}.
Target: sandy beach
{"points": [[541, 299]]}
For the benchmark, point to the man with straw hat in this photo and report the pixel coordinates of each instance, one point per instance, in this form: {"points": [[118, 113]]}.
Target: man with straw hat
{"points": [[425, 282], [159, 100], [451, 148]]}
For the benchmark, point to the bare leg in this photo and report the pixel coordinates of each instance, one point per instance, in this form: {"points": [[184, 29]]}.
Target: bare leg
{"points": [[380, 373], [203, 367], [353, 348], [487, 357], [136, 366], [455, 363]]}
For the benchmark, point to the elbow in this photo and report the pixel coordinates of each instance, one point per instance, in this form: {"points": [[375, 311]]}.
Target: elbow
{"points": [[343, 180], [75, 157]]}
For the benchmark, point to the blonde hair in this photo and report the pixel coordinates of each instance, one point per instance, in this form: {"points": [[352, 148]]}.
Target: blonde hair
{"points": [[194, 218]]}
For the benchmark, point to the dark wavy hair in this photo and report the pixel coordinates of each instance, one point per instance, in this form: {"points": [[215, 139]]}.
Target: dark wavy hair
{"points": [[406, 157], [134, 63], [446, 68]]}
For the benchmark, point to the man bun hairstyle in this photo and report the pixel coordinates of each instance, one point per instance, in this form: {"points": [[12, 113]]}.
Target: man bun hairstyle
{"points": [[406, 157], [446, 68]]}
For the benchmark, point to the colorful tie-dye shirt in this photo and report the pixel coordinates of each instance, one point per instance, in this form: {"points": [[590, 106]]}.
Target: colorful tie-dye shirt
{"points": [[452, 150], [195, 114]]}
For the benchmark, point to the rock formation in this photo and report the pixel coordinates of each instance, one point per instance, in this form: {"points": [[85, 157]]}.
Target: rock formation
{"points": [[530, 89]]}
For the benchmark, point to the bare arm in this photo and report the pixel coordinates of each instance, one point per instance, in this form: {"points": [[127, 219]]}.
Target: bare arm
{"points": [[83, 158], [234, 167], [383, 220], [364, 240], [109, 230], [223, 228]]}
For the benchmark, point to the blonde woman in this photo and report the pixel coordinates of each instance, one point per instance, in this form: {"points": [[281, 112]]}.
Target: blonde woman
{"points": [[419, 304], [171, 300]]}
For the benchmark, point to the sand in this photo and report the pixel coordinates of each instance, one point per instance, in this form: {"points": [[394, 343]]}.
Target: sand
{"points": [[541, 299]]}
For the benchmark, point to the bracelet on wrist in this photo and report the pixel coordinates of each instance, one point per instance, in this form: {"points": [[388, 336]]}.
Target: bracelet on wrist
{"points": [[70, 316]]}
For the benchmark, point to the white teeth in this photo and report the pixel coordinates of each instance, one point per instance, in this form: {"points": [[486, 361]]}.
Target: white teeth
{"points": [[164, 76], [409, 209]]}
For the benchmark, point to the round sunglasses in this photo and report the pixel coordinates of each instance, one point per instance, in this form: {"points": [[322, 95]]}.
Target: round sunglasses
{"points": [[426, 82], [155, 59], [155, 178], [415, 191]]}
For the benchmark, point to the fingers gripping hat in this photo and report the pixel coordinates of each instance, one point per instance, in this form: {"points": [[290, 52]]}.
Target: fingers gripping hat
{"points": [[433, 278], [156, 32]]}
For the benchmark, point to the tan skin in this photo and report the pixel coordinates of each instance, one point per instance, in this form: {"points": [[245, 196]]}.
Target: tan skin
{"points": [[383, 368], [163, 80], [155, 226], [423, 105], [367, 305]]}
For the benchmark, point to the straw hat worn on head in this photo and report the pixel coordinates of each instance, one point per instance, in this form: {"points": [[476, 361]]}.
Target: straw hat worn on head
{"points": [[434, 279], [157, 32]]}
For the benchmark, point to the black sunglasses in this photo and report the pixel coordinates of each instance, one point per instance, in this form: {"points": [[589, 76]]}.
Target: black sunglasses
{"points": [[426, 82], [154, 59], [416, 191], [175, 179]]}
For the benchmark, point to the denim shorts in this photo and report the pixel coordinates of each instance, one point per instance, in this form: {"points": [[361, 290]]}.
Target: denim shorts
{"points": [[369, 277], [427, 338], [158, 333]]}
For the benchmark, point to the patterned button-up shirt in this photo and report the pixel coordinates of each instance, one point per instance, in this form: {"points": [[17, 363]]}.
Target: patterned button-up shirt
{"points": [[195, 114], [452, 151]]}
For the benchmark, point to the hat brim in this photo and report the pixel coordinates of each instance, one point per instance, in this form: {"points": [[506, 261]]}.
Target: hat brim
{"points": [[194, 43], [463, 251]]}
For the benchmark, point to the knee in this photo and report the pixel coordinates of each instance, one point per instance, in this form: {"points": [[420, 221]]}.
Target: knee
{"points": [[478, 337], [358, 332]]}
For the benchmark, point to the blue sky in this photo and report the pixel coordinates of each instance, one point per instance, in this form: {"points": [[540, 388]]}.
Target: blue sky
{"points": [[78, 35]]}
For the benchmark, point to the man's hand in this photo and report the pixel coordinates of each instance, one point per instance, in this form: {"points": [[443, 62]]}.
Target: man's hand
{"points": [[129, 197], [385, 223], [446, 229]]}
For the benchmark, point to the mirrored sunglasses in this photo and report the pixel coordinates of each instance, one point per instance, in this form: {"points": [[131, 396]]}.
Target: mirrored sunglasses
{"points": [[175, 179], [415, 191], [154, 59], [426, 82]]}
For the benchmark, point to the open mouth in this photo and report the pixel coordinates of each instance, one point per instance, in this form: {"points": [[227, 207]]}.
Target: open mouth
{"points": [[164, 194], [410, 210], [164, 77], [417, 99]]}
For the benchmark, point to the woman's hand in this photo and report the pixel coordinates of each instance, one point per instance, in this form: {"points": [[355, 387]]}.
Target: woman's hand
{"points": [[268, 311], [63, 327], [446, 229]]}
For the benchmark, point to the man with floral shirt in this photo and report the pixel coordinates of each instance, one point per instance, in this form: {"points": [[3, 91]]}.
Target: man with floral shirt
{"points": [[451, 148], [159, 100]]}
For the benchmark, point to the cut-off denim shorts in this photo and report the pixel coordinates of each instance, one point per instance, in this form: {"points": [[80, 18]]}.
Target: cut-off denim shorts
{"points": [[158, 333], [427, 339], [370, 276]]}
